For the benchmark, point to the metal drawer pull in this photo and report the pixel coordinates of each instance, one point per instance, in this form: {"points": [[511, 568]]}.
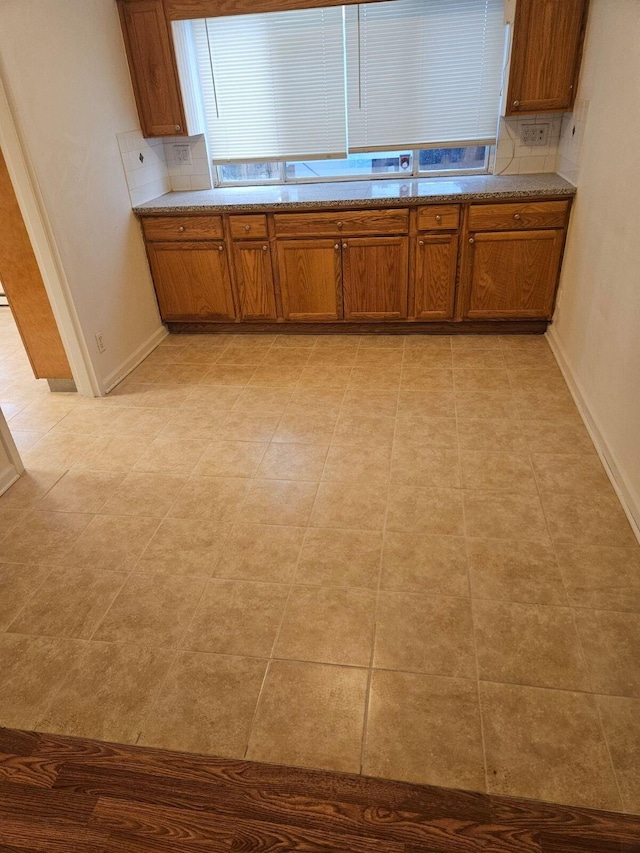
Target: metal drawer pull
{"points": [[339, 224], [345, 245], [221, 248], [421, 243], [471, 240], [438, 218], [516, 216], [264, 248], [516, 103], [337, 246], [247, 228], [181, 229], [178, 127]]}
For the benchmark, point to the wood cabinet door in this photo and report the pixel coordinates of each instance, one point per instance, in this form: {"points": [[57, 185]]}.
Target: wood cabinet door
{"points": [[192, 281], [254, 281], [376, 277], [513, 274], [310, 279], [436, 261], [152, 63], [545, 59]]}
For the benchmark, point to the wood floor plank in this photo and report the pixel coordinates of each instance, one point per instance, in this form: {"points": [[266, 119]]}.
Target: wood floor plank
{"points": [[72, 794]]}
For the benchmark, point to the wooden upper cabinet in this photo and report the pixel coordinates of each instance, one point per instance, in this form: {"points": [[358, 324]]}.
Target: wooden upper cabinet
{"points": [[545, 59], [153, 67], [513, 275], [254, 281], [436, 262], [310, 279], [192, 281], [375, 277]]}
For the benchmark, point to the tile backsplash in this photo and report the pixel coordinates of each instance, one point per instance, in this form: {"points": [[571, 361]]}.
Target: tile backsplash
{"points": [[145, 166], [193, 175], [152, 167], [513, 157]]}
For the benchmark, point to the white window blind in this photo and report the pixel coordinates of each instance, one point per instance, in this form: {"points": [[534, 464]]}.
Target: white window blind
{"points": [[273, 85], [424, 73]]}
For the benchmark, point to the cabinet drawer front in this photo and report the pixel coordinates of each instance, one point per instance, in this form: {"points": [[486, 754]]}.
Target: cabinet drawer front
{"points": [[439, 217], [252, 227], [533, 214], [342, 222], [183, 227]]}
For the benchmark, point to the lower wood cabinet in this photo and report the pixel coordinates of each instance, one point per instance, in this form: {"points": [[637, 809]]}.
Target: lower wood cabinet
{"points": [[513, 275], [192, 281], [375, 275], [254, 281], [434, 289], [310, 279]]}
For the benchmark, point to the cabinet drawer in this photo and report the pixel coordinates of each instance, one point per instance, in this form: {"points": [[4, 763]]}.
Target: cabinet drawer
{"points": [[510, 217], [342, 222], [439, 217], [252, 227], [182, 228]]}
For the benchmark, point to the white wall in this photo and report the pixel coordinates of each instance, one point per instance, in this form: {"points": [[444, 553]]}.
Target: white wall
{"points": [[596, 330], [65, 72], [10, 464]]}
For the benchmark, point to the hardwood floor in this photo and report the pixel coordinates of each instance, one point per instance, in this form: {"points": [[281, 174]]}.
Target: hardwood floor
{"points": [[70, 795]]}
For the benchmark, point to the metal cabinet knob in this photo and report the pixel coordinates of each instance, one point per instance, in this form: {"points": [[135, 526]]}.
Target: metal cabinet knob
{"points": [[337, 246], [181, 229], [264, 248], [247, 228], [516, 103], [221, 248], [339, 224], [421, 243], [438, 218], [345, 245], [178, 127], [516, 216], [471, 240]]}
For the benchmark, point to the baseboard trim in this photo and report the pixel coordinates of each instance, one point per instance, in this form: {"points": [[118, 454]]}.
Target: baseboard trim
{"points": [[628, 498], [8, 476], [137, 357], [388, 327]]}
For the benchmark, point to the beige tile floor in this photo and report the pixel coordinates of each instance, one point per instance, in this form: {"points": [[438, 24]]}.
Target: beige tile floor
{"points": [[393, 556]]}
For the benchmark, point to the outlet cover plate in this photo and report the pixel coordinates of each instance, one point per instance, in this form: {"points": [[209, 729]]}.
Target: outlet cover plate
{"points": [[182, 154], [534, 134]]}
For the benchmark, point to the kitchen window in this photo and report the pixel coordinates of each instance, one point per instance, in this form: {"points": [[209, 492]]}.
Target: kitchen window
{"points": [[406, 87]]}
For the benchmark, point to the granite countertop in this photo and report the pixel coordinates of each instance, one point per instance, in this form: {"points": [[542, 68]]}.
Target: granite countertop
{"points": [[360, 193]]}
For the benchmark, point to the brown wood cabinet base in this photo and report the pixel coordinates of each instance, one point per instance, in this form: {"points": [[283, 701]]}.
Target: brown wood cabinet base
{"points": [[473, 327]]}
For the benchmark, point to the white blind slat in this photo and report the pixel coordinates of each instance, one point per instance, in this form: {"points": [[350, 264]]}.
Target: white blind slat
{"points": [[423, 72], [273, 85]]}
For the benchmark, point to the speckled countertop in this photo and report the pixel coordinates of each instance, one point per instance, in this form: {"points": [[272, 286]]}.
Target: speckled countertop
{"points": [[360, 193]]}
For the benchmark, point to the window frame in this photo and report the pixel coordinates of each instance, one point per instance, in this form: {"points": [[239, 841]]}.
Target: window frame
{"points": [[414, 174]]}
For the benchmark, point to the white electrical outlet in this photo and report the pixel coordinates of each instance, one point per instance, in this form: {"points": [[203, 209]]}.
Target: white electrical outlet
{"points": [[182, 155], [534, 134], [100, 342]]}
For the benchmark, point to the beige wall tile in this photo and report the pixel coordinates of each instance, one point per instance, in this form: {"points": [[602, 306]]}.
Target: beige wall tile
{"points": [[430, 634], [237, 618], [328, 625], [546, 745], [340, 558], [424, 729], [310, 715]]}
